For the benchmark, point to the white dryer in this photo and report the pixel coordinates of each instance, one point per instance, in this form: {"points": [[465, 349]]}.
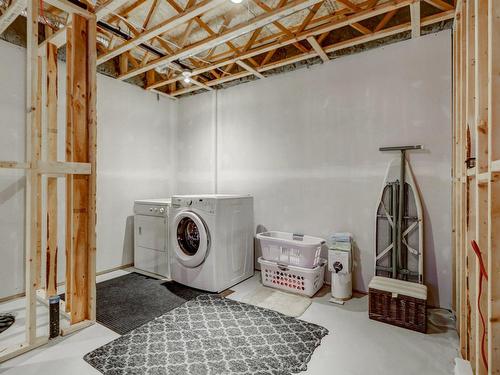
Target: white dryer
{"points": [[151, 241], [212, 240]]}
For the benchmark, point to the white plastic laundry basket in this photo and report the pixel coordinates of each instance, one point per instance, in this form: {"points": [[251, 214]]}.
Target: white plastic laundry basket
{"points": [[294, 279], [288, 248]]}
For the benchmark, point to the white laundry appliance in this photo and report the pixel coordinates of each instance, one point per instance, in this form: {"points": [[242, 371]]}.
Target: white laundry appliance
{"points": [[211, 240], [151, 241]]}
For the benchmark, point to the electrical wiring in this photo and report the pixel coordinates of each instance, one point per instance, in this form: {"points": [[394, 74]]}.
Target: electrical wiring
{"points": [[484, 274]]}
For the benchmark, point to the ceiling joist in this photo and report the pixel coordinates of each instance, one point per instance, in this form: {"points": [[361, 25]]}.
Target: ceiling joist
{"points": [[329, 49], [337, 24], [215, 40], [11, 14], [161, 28]]}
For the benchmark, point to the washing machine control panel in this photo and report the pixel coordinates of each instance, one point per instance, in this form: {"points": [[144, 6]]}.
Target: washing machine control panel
{"points": [[207, 205]]}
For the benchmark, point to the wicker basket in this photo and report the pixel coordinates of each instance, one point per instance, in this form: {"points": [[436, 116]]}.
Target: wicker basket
{"points": [[399, 303]]}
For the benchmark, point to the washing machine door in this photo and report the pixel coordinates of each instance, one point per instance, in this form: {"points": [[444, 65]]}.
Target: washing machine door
{"points": [[192, 240]]}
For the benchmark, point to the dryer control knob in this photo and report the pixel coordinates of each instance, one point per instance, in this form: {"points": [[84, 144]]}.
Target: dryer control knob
{"points": [[190, 203], [162, 210]]}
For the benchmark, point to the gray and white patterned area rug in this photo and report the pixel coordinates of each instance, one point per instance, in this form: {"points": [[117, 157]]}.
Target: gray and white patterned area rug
{"points": [[212, 335]]}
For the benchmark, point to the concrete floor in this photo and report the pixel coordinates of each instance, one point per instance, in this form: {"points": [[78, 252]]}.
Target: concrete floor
{"points": [[355, 345]]}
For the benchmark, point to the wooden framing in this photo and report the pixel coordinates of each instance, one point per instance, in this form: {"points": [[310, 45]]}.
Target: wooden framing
{"points": [[11, 14], [387, 9], [81, 72], [214, 40], [476, 190]]}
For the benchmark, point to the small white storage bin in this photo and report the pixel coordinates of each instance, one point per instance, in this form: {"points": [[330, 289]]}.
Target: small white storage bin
{"points": [[293, 249], [294, 279]]}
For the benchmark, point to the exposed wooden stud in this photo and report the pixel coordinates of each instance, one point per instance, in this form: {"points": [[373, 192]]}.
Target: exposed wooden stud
{"points": [[31, 176], [482, 161], [415, 19], [76, 327], [78, 100], [315, 45], [494, 198], [51, 274], [38, 154], [123, 63], [92, 159], [69, 179]]}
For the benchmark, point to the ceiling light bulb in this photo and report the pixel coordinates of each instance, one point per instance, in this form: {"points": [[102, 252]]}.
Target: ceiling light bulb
{"points": [[186, 74], [236, 1]]}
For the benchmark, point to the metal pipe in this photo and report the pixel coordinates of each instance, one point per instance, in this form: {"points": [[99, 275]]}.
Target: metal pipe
{"points": [[401, 208], [394, 201]]}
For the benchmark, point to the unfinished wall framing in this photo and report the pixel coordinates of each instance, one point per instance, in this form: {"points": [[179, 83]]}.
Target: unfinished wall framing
{"points": [[79, 168], [476, 181]]}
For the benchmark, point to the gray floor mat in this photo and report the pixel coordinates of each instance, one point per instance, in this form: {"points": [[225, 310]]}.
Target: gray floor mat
{"points": [[212, 335], [127, 302]]}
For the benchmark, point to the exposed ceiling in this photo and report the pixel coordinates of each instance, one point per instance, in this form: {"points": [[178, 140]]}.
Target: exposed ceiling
{"points": [[177, 47]]}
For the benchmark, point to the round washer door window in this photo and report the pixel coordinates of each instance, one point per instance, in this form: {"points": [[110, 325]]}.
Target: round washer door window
{"points": [[191, 243]]}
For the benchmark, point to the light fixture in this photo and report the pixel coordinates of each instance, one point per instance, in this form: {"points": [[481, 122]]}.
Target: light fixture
{"points": [[236, 1], [186, 76]]}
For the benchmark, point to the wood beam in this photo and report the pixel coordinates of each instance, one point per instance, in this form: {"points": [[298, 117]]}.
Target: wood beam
{"points": [[108, 7], [77, 97], [350, 5], [337, 24], [31, 188], [161, 28], [387, 17], [151, 14], [11, 14], [235, 32], [440, 4], [331, 48], [415, 19], [51, 254], [200, 84], [70, 8], [315, 45], [69, 179], [92, 178], [248, 68], [123, 63], [494, 199], [278, 24], [126, 11], [38, 155], [362, 29]]}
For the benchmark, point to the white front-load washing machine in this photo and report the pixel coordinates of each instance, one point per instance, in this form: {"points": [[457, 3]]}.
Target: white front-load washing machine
{"points": [[211, 240]]}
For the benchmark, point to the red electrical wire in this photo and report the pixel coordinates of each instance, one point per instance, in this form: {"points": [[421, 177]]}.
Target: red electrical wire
{"points": [[484, 274]]}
